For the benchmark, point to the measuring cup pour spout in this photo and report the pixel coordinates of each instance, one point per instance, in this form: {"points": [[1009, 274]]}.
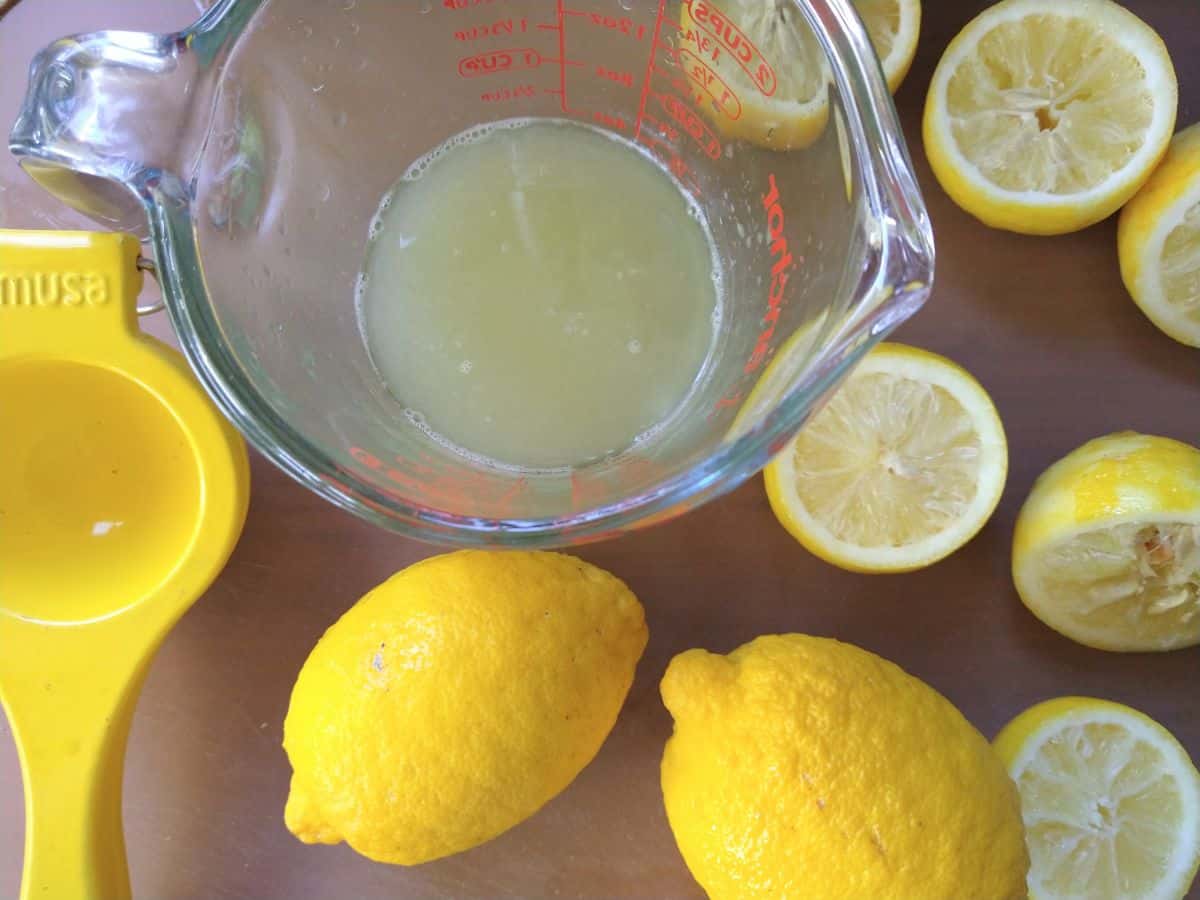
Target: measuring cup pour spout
{"points": [[111, 117], [122, 493]]}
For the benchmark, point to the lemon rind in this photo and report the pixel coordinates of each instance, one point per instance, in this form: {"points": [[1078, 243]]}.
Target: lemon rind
{"points": [[1149, 294]]}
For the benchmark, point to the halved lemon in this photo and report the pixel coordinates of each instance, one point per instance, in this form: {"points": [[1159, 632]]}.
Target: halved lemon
{"points": [[1158, 241], [771, 75], [894, 26], [1111, 801], [902, 467], [1107, 546], [1045, 116]]}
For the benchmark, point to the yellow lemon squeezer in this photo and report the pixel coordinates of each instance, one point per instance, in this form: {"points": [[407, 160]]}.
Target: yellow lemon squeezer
{"points": [[122, 494]]}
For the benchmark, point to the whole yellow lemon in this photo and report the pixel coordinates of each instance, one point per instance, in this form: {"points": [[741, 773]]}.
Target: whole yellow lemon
{"points": [[804, 767], [455, 699]]}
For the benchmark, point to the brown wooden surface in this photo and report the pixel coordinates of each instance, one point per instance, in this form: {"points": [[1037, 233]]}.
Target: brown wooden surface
{"points": [[1043, 322]]}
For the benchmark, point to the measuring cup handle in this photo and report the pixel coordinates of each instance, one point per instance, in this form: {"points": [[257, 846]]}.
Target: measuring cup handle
{"points": [[71, 726]]}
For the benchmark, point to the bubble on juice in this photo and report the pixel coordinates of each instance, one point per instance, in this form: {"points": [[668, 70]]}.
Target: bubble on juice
{"points": [[649, 434], [634, 346], [465, 367]]}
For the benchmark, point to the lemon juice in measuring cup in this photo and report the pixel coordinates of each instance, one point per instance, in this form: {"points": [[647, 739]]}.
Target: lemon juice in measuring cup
{"points": [[540, 294]]}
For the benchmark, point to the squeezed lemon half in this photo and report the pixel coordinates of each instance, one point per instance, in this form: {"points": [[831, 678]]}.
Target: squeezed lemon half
{"points": [[1107, 546], [903, 466], [1045, 116], [1110, 801], [1158, 241]]}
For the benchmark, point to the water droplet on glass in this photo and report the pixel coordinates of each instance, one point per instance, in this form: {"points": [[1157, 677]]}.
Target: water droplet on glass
{"points": [[424, 6]]}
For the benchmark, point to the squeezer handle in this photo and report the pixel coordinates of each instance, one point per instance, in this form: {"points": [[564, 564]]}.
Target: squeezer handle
{"points": [[69, 688], [71, 723]]}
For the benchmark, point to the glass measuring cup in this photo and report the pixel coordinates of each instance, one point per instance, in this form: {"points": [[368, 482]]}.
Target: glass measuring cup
{"points": [[254, 147]]}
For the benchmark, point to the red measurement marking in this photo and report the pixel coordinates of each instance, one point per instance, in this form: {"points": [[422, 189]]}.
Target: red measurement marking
{"points": [[711, 83], [673, 161], [680, 170], [438, 486], [366, 458], [494, 61], [654, 44], [625, 78], [560, 19], [692, 91], [614, 122], [691, 123], [704, 44], [588, 491], [741, 48], [503, 28], [464, 4], [513, 93], [781, 271], [726, 402], [670, 132], [622, 24]]}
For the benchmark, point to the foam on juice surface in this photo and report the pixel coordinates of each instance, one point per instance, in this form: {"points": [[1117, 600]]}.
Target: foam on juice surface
{"points": [[539, 293]]}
